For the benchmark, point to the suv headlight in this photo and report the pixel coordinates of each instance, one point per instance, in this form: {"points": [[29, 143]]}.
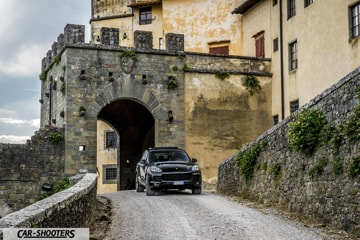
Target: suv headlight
{"points": [[195, 168], [155, 169]]}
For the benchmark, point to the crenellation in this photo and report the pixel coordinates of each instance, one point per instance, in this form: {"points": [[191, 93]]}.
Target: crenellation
{"points": [[74, 34]]}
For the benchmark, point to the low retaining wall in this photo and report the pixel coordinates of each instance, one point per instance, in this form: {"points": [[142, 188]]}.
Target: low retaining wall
{"points": [[282, 177], [71, 208]]}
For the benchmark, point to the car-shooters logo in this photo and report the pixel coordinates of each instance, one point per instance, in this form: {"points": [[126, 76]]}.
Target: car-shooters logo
{"points": [[46, 233]]}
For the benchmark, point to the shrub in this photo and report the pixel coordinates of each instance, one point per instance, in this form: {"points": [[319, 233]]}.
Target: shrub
{"points": [[304, 134], [351, 127], [128, 54], [59, 186]]}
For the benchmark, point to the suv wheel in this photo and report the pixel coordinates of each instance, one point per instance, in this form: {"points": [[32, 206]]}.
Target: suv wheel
{"points": [[149, 192], [196, 190], [139, 187]]}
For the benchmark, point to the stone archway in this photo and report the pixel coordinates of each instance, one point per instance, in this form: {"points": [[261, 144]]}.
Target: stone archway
{"points": [[135, 113], [135, 127]]}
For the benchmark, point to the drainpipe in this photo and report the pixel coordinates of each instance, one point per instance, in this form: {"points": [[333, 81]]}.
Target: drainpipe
{"points": [[282, 63], [50, 103]]}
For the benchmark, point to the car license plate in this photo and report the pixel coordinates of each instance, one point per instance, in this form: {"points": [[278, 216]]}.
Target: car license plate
{"points": [[178, 182]]}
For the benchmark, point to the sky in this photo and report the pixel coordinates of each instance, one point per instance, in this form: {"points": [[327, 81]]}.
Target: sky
{"points": [[28, 29]]}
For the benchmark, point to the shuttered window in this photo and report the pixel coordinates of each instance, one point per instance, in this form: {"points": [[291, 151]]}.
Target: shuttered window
{"points": [[260, 46], [224, 50]]}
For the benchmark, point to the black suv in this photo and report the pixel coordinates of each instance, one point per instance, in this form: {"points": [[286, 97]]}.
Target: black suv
{"points": [[163, 168]]}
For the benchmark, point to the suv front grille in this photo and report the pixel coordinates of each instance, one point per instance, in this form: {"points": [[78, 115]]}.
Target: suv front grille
{"points": [[174, 177]]}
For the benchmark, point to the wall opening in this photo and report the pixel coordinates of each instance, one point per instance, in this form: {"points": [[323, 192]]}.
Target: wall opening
{"points": [[135, 126]]}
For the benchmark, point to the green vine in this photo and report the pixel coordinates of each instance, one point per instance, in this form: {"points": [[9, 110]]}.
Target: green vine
{"points": [[222, 75], [251, 84], [56, 138], [337, 167], [318, 169], [172, 82], [57, 59], [304, 134], [128, 54], [275, 171], [351, 127], [185, 67], [43, 76], [246, 160], [354, 169]]}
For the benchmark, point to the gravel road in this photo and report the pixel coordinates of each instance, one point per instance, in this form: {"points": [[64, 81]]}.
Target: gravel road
{"points": [[181, 215]]}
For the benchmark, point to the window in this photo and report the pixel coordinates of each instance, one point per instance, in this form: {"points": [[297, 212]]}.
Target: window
{"points": [[275, 2], [109, 173], [291, 8], [294, 106], [161, 44], [308, 2], [145, 16], [276, 44], [293, 58], [355, 21], [275, 119], [260, 46], [110, 139], [219, 50]]}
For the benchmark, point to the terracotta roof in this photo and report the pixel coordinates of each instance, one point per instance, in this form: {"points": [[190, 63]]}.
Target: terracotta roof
{"points": [[139, 3], [243, 8]]}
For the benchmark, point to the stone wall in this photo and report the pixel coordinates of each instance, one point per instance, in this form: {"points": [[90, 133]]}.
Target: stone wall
{"points": [[71, 208], [24, 168], [329, 197]]}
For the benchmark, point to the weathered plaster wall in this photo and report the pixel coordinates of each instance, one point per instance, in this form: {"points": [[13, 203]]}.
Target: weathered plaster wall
{"points": [[332, 199], [204, 23], [331, 51], [105, 156], [221, 117]]}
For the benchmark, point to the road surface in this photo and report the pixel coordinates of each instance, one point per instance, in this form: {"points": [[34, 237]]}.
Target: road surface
{"points": [[181, 215]]}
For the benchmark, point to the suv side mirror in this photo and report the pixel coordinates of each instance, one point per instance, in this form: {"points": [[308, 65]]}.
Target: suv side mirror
{"points": [[194, 160]]}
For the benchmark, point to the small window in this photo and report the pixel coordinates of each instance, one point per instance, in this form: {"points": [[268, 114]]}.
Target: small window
{"points": [[355, 21], [110, 139], [294, 106], [145, 16], [291, 6], [260, 46], [293, 56], [308, 2], [161, 44], [275, 2], [275, 119], [109, 174], [276, 44], [224, 50]]}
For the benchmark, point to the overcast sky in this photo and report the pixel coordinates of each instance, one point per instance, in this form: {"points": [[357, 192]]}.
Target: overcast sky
{"points": [[28, 29]]}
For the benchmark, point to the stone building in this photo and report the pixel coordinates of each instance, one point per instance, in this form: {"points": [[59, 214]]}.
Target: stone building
{"points": [[128, 107]]}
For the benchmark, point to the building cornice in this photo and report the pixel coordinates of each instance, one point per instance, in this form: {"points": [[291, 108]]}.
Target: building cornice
{"points": [[247, 5]]}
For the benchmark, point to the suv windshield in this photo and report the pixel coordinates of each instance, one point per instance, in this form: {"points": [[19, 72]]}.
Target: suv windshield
{"points": [[166, 156]]}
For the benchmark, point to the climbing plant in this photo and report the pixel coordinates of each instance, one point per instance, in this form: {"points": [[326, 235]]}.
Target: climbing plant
{"points": [[251, 84]]}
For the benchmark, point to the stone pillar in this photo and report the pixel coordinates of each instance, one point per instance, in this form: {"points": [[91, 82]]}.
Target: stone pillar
{"points": [[109, 36], [143, 40], [74, 34], [174, 42]]}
